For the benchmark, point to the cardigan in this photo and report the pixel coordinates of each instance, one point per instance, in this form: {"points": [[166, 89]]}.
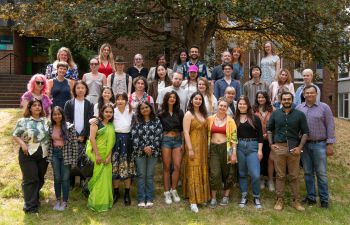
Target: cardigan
{"points": [[70, 147], [231, 133]]}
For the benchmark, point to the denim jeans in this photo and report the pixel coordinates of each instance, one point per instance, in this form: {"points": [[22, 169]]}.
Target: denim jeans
{"points": [[248, 163], [314, 160], [145, 174], [61, 174]]}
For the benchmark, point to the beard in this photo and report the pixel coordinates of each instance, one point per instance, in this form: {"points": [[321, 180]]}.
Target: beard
{"points": [[287, 106]]}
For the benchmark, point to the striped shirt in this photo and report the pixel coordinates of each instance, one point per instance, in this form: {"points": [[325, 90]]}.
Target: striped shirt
{"points": [[320, 121]]}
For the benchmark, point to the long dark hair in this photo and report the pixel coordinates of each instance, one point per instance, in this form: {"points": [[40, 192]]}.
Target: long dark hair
{"points": [[166, 78], [100, 114], [250, 115], [178, 60], [100, 99], [165, 105], [202, 108], [27, 113], [64, 130], [140, 116], [267, 107]]}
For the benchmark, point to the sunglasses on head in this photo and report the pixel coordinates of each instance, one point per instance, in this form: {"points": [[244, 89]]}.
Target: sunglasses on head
{"points": [[39, 82]]}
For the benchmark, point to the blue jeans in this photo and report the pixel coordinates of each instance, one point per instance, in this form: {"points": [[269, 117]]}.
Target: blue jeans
{"points": [[145, 174], [314, 160], [61, 174], [248, 163]]}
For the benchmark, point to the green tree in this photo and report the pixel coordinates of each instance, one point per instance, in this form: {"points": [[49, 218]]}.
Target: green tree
{"points": [[313, 28]]}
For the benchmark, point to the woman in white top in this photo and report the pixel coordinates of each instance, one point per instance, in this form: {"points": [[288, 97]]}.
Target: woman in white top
{"points": [[210, 100], [161, 81], [270, 63], [107, 96], [95, 81], [122, 158], [190, 85], [284, 79]]}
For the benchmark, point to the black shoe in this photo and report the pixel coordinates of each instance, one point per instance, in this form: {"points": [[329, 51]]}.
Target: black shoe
{"points": [[308, 201], [115, 196], [127, 200], [324, 205]]}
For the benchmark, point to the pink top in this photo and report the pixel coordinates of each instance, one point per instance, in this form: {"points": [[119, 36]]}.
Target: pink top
{"points": [[57, 139], [106, 70]]}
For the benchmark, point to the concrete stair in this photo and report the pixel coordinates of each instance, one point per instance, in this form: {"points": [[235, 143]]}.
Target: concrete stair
{"points": [[12, 87]]}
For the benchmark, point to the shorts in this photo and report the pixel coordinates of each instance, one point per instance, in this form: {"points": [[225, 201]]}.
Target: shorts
{"points": [[171, 142]]}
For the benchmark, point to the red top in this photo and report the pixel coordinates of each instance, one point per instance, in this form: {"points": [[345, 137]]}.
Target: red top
{"points": [[218, 130], [106, 70]]}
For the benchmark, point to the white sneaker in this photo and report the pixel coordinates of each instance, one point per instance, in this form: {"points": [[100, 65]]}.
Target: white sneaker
{"points": [[149, 204], [63, 206], [194, 208], [271, 185], [141, 205], [175, 195], [262, 183], [167, 196], [57, 206]]}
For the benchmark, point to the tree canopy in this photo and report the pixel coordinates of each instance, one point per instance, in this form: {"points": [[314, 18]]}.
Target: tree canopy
{"points": [[301, 28]]}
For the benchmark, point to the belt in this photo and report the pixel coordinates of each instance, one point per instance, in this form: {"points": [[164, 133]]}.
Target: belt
{"points": [[247, 139], [315, 141]]}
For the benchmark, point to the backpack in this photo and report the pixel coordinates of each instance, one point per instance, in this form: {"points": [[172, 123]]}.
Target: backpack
{"points": [[126, 80]]}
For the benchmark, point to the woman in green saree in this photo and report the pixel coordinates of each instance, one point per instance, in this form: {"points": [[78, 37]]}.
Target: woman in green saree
{"points": [[99, 149]]}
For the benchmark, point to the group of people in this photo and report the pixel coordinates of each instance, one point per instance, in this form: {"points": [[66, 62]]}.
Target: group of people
{"points": [[211, 132]]}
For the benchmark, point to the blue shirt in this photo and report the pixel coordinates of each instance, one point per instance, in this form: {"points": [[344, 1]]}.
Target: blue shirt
{"points": [[202, 69], [221, 85]]}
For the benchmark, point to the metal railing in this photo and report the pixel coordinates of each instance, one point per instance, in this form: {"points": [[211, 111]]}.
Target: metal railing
{"points": [[12, 58]]}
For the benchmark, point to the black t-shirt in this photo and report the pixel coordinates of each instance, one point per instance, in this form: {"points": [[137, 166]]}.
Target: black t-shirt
{"points": [[245, 130], [172, 122]]}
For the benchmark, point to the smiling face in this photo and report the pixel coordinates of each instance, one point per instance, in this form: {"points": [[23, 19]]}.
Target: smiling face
{"points": [[236, 54], [268, 48], [261, 99], [61, 71], [197, 101], [57, 116], [108, 113], [172, 99], [63, 56], [283, 76], [39, 84], [307, 77], [287, 101], [94, 65], [36, 109], [162, 61], [310, 95], [230, 96], [105, 51], [222, 107], [226, 57], [140, 85], [194, 53], [106, 95], [145, 110], [177, 79], [121, 102], [242, 106], [183, 57], [138, 60], [256, 73], [227, 71], [201, 86]]}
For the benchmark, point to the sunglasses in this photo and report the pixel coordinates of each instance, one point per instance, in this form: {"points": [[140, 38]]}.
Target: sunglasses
{"points": [[94, 64], [39, 82]]}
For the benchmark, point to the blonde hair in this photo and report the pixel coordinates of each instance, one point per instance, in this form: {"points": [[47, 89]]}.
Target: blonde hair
{"points": [[308, 71], [110, 56], [70, 60]]}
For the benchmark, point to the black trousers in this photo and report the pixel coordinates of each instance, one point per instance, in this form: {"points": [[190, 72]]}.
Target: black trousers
{"points": [[33, 169]]}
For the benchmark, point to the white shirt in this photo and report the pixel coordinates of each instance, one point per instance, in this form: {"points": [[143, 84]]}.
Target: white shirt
{"points": [[214, 105], [180, 92], [79, 115], [122, 121]]}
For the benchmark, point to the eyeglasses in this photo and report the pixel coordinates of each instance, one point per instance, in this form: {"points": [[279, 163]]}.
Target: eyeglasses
{"points": [[93, 64], [39, 82]]}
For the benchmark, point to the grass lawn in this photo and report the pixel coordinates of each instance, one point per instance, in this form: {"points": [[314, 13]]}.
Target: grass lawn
{"points": [[11, 199]]}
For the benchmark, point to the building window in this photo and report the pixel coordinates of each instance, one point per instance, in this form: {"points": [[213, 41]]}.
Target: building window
{"points": [[343, 68], [343, 110]]}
